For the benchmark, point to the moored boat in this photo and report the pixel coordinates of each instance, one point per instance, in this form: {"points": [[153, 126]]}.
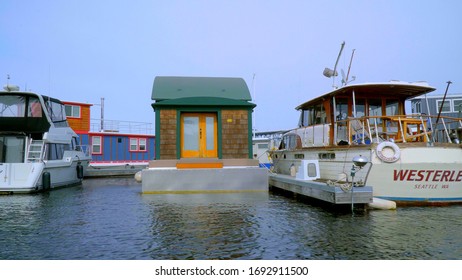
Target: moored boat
{"points": [[411, 158], [38, 149]]}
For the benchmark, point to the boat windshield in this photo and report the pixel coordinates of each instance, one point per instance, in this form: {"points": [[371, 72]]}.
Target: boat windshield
{"points": [[12, 106], [12, 149]]}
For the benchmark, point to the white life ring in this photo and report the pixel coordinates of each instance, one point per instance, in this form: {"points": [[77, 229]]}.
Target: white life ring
{"points": [[391, 145]]}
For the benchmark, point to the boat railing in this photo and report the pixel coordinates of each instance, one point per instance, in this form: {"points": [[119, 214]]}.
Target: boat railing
{"points": [[400, 128], [118, 126]]}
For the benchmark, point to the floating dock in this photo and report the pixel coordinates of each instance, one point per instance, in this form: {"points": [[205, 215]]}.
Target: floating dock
{"points": [[105, 170], [321, 190], [204, 176]]}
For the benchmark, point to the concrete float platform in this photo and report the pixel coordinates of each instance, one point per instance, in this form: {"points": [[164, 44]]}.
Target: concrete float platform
{"points": [[320, 190], [204, 176]]}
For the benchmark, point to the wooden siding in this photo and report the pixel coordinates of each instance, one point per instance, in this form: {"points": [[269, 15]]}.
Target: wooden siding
{"points": [[83, 123], [235, 134], [168, 134]]}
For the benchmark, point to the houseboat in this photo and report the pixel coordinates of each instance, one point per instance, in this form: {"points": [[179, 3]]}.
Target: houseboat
{"points": [[360, 135], [38, 149], [117, 148]]}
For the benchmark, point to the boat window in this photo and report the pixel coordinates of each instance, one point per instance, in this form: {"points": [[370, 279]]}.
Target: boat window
{"points": [[56, 111], [341, 109], [12, 106], [290, 142], [34, 109], [313, 115], [392, 108], [360, 108], [56, 151], [375, 109], [12, 149]]}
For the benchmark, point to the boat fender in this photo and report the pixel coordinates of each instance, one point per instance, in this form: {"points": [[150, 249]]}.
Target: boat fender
{"points": [[46, 181], [79, 168], [396, 152]]}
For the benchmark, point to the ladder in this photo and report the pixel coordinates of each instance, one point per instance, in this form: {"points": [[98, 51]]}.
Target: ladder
{"points": [[35, 151]]}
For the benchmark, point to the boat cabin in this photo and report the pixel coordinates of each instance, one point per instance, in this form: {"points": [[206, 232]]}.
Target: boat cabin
{"points": [[360, 114]]}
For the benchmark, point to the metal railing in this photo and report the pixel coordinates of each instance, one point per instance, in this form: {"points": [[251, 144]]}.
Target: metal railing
{"points": [[121, 126]]}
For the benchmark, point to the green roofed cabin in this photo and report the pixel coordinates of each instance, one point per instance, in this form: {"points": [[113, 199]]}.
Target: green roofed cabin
{"points": [[202, 117], [203, 138]]}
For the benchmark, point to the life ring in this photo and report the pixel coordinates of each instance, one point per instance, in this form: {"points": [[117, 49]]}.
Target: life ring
{"points": [[391, 145]]}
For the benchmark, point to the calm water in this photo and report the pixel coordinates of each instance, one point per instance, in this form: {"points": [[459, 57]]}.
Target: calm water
{"points": [[111, 219]]}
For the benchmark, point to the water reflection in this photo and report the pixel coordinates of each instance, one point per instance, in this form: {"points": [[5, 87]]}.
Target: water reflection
{"points": [[111, 219]]}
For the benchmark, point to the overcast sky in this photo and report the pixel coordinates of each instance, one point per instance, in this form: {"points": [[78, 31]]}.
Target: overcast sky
{"points": [[84, 50]]}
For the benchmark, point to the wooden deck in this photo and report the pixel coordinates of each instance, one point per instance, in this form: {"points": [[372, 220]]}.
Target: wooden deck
{"points": [[321, 190]]}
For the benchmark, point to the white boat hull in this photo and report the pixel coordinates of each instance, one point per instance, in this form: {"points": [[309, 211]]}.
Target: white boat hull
{"points": [[28, 177], [421, 175]]}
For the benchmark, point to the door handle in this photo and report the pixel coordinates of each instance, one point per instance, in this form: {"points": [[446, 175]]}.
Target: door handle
{"points": [[200, 133]]}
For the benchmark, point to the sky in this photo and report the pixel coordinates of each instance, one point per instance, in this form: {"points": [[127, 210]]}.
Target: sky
{"points": [[84, 50]]}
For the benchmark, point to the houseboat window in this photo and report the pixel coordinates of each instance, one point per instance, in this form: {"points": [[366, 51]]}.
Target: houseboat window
{"points": [[96, 145], [11, 149], [142, 146], [12, 106], [416, 107], [35, 108], [72, 111], [137, 145], [457, 105], [446, 106], [392, 108], [133, 144]]}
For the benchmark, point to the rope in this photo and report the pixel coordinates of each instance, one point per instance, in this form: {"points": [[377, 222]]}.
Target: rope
{"points": [[346, 187]]}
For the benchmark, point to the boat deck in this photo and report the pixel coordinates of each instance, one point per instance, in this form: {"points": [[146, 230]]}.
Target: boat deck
{"points": [[321, 191]]}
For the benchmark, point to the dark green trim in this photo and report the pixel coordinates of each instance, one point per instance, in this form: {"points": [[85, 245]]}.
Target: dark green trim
{"points": [[250, 133], [178, 134], [203, 102]]}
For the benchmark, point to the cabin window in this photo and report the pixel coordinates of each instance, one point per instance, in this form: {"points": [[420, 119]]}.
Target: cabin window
{"points": [[12, 106], [72, 111], [360, 108], [56, 151], [446, 106], [34, 109], [56, 111], [96, 145], [341, 109], [391, 108], [313, 115], [290, 142]]}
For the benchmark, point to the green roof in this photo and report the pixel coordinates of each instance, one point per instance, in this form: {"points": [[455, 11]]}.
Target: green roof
{"points": [[167, 88]]}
